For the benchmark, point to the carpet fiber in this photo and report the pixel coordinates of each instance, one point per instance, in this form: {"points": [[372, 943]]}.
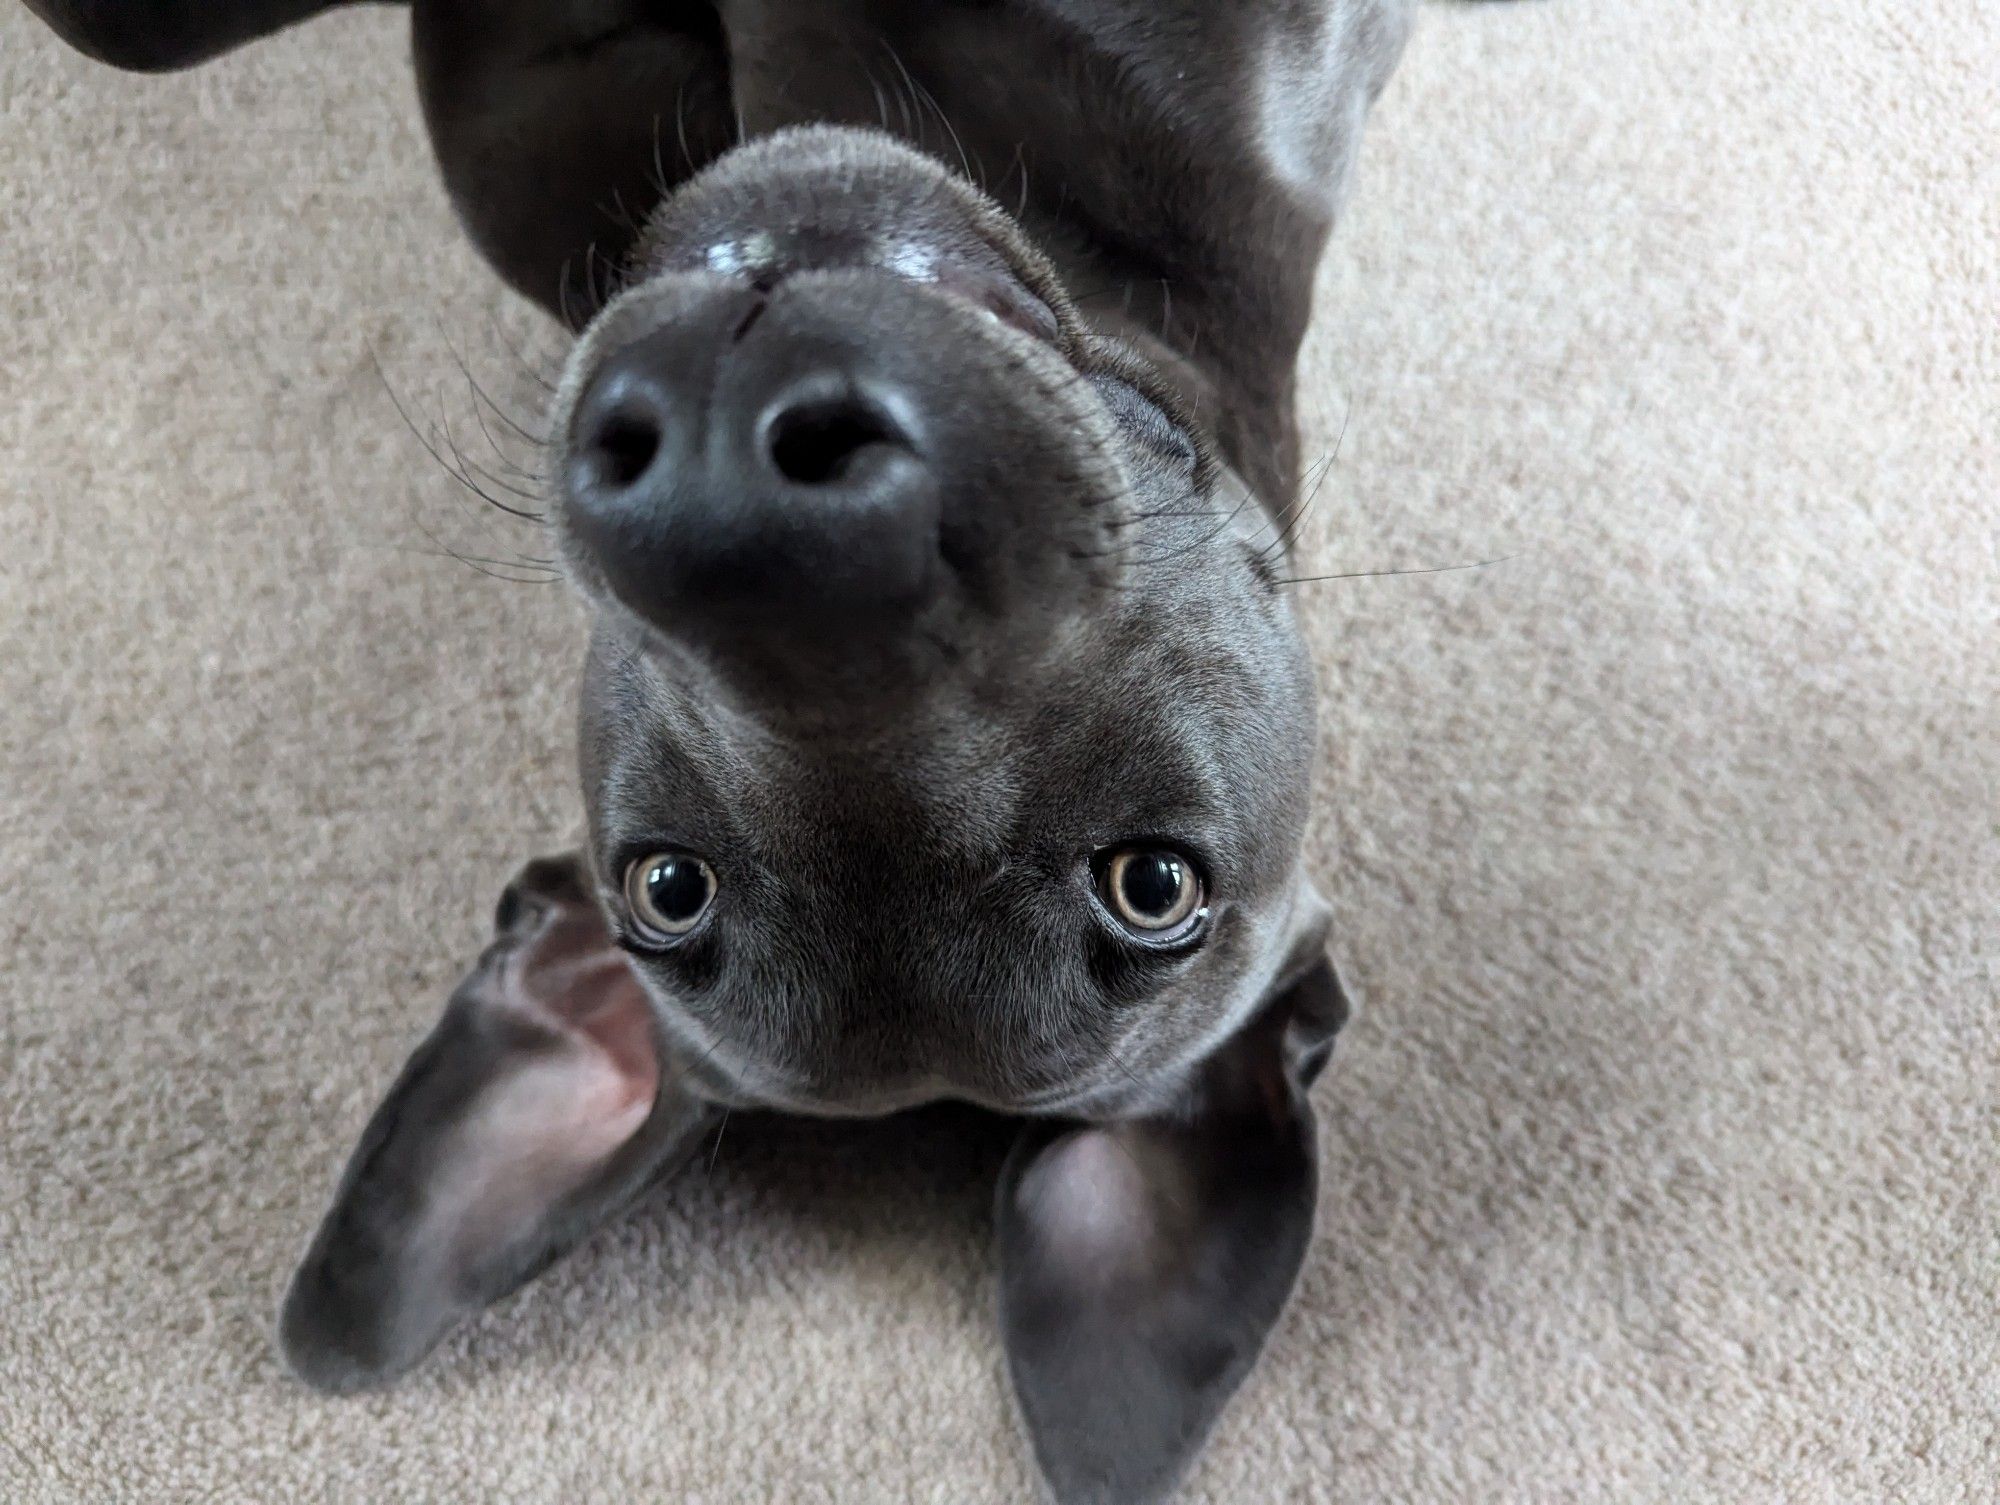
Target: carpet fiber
{"points": [[1660, 1162]]}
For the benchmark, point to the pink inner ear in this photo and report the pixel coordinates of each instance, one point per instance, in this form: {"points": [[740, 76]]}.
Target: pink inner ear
{"points": [[576, 1089], [1093, 1201], [571, 979]]}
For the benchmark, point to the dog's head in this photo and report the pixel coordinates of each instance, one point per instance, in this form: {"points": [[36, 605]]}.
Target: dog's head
{"points": [[943, 732]]}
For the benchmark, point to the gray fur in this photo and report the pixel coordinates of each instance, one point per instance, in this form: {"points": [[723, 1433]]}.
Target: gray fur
{"points": [[902, 805]]}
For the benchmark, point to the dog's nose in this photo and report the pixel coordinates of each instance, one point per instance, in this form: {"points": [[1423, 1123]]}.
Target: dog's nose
{"points": [[782, 478]]}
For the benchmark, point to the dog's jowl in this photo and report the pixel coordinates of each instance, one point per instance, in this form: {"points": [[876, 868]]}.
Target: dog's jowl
{"points": [[945, 732]]}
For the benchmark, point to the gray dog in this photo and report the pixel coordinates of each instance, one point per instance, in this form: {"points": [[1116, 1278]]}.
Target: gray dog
{"points": [[946, 731]]}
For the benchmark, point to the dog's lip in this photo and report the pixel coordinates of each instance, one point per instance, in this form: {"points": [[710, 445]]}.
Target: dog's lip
{"points": [[787, 1098]]}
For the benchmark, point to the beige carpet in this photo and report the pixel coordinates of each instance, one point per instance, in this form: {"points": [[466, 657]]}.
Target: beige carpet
{"points": [[1660, 1164]]}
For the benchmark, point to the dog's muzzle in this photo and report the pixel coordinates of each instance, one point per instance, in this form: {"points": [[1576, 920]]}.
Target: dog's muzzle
{"points": [[816, 407]]}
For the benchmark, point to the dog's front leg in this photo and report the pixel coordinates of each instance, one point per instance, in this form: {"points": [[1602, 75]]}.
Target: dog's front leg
{"points": [[560, 124]]}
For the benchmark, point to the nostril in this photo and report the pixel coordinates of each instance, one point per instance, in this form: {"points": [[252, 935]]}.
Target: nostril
{"points": [[814, 443], [624, 446]]}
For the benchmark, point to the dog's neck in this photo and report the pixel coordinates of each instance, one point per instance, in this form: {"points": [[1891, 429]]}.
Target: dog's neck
{"points": [[1164, 194]]}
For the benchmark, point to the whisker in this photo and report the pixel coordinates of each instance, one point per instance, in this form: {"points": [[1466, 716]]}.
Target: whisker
{"points": [[486, 567], [1021, 161], [925, 96], [680, 131], [562, 295], [533, 562], [881, 99], [905, 105], [482, 395], [1204, 541], [1433, 569], [514, 562], [432, 450], [443, 551], [715, 1154], [659, 178], [600, 274], [472, 466], [535, 374], [1314, 474], [533, 479], [1119, 1061], [1140, 517], [1282, 544], [533, 574], [506, 462]]}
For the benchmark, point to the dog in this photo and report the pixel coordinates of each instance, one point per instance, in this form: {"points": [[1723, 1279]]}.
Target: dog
{"points": [[945, 731]]}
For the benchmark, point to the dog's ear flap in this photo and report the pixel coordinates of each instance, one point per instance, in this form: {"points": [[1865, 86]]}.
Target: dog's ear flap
{"points": [[155, 36], [540, 1104], [1143, 1263]]}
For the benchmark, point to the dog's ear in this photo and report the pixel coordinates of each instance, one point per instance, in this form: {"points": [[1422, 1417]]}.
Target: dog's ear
{"points": [[541, 1103], [1143, 1263], [154, 36]]}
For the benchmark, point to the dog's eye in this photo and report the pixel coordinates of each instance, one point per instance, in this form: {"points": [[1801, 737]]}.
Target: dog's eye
{"points": [[668, 893], [1154, 892], [1147, 419]]}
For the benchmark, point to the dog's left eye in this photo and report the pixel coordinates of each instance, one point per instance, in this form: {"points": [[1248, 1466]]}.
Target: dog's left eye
{"points": [[668, 893], [1152, 891]]}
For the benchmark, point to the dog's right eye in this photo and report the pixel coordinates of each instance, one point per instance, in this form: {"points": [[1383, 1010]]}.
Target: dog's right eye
{"points": [[668, 893], [1146, 418]]}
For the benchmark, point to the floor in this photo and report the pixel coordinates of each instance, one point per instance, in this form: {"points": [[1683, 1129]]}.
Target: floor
{"points": [[1660, 1161]]}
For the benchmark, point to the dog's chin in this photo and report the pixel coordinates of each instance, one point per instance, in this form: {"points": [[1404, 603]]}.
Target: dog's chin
{"points": [[1070, 1099], [1083, 1082]]}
